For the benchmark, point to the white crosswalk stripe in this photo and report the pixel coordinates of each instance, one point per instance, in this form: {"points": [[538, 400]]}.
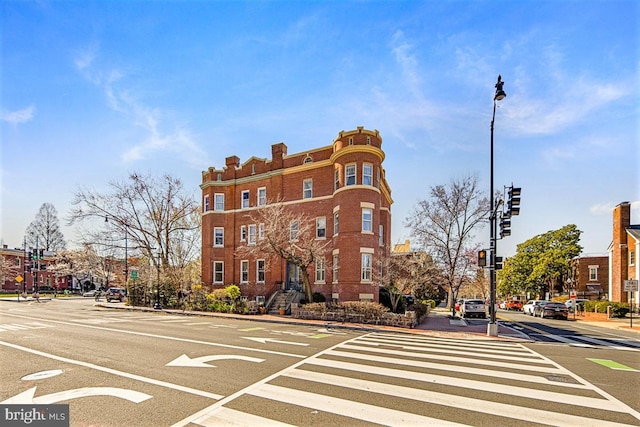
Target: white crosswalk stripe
{"points": [[427, 372], [591, 342], [23, 326]]}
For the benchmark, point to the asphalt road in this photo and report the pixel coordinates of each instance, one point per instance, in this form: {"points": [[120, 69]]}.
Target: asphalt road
{"points": [[122, 368]]}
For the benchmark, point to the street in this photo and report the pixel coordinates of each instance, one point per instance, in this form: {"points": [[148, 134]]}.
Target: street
{"points": [[118, 367]]}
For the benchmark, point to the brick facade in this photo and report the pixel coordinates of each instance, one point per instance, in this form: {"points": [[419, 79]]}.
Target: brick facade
{"points": [[591, 276], [623, 253], [14, 265], [334, 190]]}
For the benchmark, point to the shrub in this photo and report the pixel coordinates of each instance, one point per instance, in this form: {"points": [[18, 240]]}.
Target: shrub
{"points": [[619, 309], [318, 297], [430, 302]]}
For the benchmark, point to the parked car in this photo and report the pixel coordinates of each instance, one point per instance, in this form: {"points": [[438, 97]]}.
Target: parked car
{"points": [[46, 289], [529, 306], [115, 294], [91, 293], [551, 309], [503, 305], [514, 305], [473, 308]]}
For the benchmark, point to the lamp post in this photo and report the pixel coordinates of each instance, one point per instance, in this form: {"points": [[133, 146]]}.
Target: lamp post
{"points": [[492, 327], [157, 305]]}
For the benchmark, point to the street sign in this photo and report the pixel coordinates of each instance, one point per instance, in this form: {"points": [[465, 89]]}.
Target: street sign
{"points": [[134, 274], [631, 286], [19, 278], [573, 294]]}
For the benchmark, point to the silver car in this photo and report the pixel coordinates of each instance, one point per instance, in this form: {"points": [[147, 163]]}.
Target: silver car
{"points": [[529, 307], [473, 308]]}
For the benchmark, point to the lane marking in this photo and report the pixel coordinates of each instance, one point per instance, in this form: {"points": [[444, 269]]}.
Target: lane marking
{"points": [[201, 362], [164, 337], [28, 396], [613, 365], [115, 372]]}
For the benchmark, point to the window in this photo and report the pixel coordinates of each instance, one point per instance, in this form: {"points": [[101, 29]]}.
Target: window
{"points": [[218, 236], [218, 202], [350, 175], [321, 227], [378, 178], [308, 159], [245, 199], [593, 273], [260, 231], [368, 140], [219, 177], [218, 271], [293, 229], [252, 234], [307, 189], [262, 196], [366, 267], [350, 140], [367, 216], [336, 179], [243, 233], [336, 222], [381, 235], [244, 271], [320, 264], [206, 203], [632, 257], [260, 267], [367, 174], [335, 268]]}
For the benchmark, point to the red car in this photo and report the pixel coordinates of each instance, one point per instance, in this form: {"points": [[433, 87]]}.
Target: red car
{"points": [[514, 305]]}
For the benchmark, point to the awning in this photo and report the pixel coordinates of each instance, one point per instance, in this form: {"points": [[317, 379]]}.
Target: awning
{"points": [[594, 288]]}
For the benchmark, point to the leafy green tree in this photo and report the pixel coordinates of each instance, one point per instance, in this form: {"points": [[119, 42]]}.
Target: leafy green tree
{"points": [[541, 264]]}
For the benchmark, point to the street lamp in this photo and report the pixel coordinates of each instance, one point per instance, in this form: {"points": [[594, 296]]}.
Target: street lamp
{"points": [[492, 327], [157, 305]]}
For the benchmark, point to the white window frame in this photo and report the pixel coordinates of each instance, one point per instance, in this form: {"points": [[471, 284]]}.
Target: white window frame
{"points": [[244, 271], [205, 204], [218, 237], [350, 173], [381, 235], [307, 188], [262, 196], [336, 222], [335, 268], [366, 268], [261, 267], [218, 271], [260, 231], [321, 227], [320, 270], [243, 233], [218, 202], [367, 223], [593, 273], [336, 179], [632, 258], [252, 234], [245, 199], [294, 228], [367, 177]]}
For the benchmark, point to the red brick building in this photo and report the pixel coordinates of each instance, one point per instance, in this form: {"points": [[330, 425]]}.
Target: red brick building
{"points": [[623, 254], [34, 274], [342, 186], [590, 276]]}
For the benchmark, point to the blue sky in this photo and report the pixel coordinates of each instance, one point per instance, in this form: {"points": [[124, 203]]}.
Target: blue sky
{"points": [[93, 90]]}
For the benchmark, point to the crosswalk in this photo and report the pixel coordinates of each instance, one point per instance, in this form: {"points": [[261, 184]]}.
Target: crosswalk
{"points": [[408, 380]]}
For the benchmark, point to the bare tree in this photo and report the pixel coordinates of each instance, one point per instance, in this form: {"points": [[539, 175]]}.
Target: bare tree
{"points": [[151, 216], [9, 268], [288, 235], [444, 225], [44, 231]]}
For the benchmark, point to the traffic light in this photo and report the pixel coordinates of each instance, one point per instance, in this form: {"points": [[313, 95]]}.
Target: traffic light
{"points": [[513, 201], [498, 263], [505, 227], [41, 254], [30, 256], [482, 258], [35, 254]]}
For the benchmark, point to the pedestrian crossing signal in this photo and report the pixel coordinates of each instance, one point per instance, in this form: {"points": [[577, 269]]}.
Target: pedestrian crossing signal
{"points": [[482, 258]]}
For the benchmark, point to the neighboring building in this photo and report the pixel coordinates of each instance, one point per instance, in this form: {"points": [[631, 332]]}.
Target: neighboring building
{"points": [[33, 273], [623, 254], [342, 186], [590, 276]]}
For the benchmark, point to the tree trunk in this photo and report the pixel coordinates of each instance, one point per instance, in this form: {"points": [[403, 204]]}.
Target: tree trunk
{"points": [[306, 285]]}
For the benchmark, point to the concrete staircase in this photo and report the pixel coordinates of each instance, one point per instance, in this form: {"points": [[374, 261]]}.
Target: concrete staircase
{"points": [[282, 299]]}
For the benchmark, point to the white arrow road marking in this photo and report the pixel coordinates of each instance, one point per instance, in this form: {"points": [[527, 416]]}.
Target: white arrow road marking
{"points": [[27, 397], [201, 362], [266, 340]]}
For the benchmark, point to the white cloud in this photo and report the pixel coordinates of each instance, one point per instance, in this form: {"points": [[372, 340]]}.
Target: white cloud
{"points": [[19, 116], [607, 209]]}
